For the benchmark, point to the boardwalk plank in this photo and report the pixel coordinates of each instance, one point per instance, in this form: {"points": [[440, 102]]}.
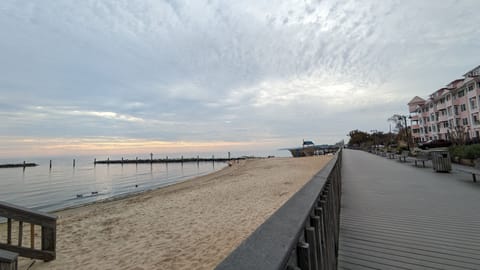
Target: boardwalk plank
{"points": [[396, 216]]}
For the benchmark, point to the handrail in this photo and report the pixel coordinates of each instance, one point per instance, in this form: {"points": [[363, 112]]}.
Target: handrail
{"points": [[48, 223], [302, 234]]}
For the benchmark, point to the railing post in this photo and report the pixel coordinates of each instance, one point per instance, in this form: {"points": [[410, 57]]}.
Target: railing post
{"points": [[20, 233], [9, 231], [303, 256], [49, 240], [315, 222], [310, 239]]}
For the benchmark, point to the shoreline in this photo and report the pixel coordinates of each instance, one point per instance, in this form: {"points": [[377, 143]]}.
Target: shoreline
{"points": [[193, 224], [131, 194]]}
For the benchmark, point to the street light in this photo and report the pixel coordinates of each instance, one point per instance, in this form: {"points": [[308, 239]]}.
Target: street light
{"points": [[374, 131]]}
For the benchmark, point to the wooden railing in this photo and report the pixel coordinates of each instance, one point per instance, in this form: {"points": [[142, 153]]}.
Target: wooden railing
{"points": [[302, 234], [20, 220]]}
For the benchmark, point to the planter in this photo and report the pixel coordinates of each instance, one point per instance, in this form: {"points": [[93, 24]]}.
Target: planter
{"points": [[468, 162]]}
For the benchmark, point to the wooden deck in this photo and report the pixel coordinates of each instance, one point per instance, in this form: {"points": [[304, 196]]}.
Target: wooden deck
{"points": [[397, 216]]}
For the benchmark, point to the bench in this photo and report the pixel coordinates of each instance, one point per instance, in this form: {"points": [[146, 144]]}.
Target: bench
{"points": [[390, 155], [403, 156], [8, 260], [421, 157], [473, 171]]}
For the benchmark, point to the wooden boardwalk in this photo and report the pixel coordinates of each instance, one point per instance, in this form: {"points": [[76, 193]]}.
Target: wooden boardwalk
{"points": [[396, 216]]}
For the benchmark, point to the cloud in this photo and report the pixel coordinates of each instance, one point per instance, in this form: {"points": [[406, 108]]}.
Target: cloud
{"points": [[224, 70]]}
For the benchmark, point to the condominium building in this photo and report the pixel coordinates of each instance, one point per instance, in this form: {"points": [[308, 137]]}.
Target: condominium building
{"points": [[455, 105]]}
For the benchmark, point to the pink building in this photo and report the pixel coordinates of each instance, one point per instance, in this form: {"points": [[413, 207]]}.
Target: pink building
{"points": [[455, 105]]}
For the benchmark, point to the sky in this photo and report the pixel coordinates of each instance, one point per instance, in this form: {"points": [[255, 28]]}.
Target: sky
{"points": [[167, 76]]}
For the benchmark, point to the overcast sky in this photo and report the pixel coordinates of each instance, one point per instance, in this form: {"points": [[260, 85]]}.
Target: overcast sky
{"points": [[126, 75]]}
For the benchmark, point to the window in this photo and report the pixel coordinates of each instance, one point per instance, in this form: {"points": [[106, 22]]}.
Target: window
{"points": [[456, 109], [463, 107], [471, 87], [457, 122], [448, 97], [438, 127], [432, 117], [473, 103], [478, 84], [461, 93], [449, 111], [434, 129], [445, 124], [465, 121], [429, 129]]}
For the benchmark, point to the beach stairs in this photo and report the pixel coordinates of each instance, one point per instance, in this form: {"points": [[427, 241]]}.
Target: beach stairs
{"points": [[23, 223]]}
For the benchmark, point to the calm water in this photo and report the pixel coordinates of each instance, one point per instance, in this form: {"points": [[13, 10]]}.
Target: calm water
{"points": [[64, 186]]}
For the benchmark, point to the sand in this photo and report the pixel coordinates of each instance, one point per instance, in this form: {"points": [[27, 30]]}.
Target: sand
{"points": [[191, 225]]}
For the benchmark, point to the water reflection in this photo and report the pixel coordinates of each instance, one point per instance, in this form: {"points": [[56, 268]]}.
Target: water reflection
{"points": [[64, 185]]}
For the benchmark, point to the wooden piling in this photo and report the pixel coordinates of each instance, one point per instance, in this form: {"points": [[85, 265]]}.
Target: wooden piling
{"points": [[50, 164], [74, 163], [151, 157]]}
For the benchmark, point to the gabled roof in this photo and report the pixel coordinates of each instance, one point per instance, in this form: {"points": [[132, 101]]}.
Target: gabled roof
{"points": [[416, 100]]}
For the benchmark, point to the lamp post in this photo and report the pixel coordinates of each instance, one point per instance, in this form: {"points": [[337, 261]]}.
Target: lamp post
{"points": [[374, 131]]}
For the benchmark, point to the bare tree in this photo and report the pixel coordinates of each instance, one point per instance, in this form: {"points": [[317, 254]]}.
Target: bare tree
{"points": [[397, 120], [458, 135]]}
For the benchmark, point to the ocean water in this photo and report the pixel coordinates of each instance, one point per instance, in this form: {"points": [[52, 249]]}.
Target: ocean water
{"points": [[66, 186]]}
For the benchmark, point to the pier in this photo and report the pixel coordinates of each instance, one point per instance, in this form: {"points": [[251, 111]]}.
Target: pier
{"points": [[166, 160]]}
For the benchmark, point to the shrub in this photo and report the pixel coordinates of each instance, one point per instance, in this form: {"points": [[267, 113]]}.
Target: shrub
{"points": [[465, 151]]}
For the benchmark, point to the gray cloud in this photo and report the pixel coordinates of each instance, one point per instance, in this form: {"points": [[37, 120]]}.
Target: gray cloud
{"points": [[217, 70]]}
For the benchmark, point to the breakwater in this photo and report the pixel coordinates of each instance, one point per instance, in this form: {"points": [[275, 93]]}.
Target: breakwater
{"points": [[165, 160], [18, 165]]}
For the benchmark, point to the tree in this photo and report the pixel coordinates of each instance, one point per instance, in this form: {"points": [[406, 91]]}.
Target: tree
{"points": [[458, 135], [359, 138]]}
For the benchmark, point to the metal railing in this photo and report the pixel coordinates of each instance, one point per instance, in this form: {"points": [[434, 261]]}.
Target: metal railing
{"points": [[19, 220], [302, 234]]}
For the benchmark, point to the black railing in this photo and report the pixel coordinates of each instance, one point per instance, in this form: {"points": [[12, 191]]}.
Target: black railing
{"points": [[302, 234], [23, 220]]}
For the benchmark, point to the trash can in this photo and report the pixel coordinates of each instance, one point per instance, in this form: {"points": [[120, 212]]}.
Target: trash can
{"points": [[441, 161]]}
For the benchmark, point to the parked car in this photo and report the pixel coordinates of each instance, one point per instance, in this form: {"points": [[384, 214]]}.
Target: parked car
{"points": [[434, 144]]}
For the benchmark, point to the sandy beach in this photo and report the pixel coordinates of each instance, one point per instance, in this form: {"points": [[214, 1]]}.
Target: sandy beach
{"points": [[191, 225]]}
